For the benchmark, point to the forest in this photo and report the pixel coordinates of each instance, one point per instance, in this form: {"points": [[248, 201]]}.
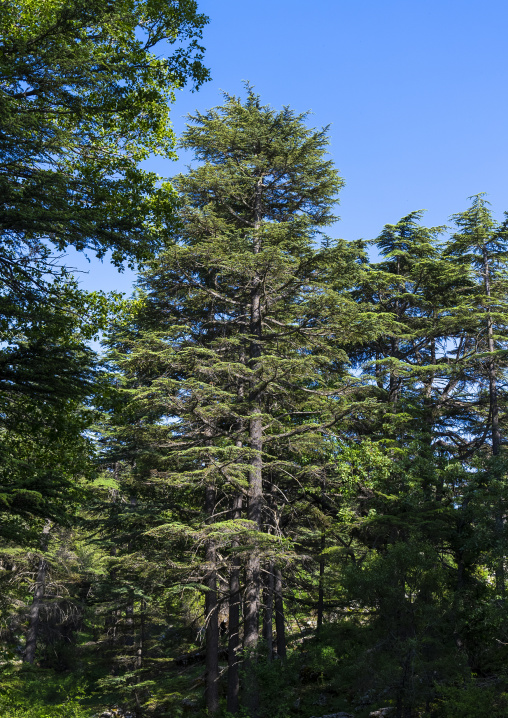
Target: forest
{"points": [[279, 489]]}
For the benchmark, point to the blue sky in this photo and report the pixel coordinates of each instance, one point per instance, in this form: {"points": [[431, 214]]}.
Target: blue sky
{"points": [[415, 94]]}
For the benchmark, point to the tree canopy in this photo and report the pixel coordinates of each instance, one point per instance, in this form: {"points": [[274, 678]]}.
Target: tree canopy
{"points": [[85, 95]]}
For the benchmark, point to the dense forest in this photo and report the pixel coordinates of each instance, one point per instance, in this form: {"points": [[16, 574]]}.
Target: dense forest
{"points": [[279, 489]]}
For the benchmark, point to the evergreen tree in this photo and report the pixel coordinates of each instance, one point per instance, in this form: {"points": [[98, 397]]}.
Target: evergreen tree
{"points": [[426, 424], [47, 377], [229, 352], [480, 247]]}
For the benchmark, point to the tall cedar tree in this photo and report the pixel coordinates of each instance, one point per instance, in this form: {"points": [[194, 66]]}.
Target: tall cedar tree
{"points": [[437, 379], [229, 351], [422, 409], [480, 247]]}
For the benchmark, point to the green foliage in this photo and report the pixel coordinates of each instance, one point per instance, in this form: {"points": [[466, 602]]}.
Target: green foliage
{"points": [[471, 699], [274, 402], [85, 98], [47, 375], [30, 693]]}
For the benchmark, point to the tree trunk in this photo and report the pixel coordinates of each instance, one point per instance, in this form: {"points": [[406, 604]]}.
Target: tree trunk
{"points": [[254, 511], [280, 626], [253, 572], [34, 615], [268, 609], [253, 589], [394, 382], [234, 622], [321, 585], [211, 617]]}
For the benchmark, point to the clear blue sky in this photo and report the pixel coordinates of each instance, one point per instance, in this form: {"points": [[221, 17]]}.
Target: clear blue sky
{"points": [[415, 92]]}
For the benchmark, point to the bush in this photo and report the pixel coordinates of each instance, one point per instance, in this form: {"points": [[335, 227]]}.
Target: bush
{"points": [[470, 700], [27, 692]]}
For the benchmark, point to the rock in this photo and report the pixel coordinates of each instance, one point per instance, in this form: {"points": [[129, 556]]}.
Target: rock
{"points": [[381, 712]]}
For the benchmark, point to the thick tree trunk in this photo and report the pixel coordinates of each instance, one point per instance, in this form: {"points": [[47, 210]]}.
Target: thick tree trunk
{"points": [[253, 589], [254, 511], [268, 609], [211, 617], [34, 615], [234, 623], [253, 570], [280, 625], [35, 608]]}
